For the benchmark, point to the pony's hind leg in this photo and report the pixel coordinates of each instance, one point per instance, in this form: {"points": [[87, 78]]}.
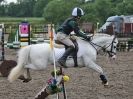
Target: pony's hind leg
{"points": [[26, 76]]}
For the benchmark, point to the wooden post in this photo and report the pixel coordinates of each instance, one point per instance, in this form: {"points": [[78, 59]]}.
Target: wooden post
{"points": [[63, 86]]}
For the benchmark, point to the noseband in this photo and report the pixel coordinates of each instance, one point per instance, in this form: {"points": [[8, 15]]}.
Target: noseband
{"points": [[111, 53]]}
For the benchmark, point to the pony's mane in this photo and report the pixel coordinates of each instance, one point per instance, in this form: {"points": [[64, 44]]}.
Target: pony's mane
{"points": [[97, 35], [102, 34]]}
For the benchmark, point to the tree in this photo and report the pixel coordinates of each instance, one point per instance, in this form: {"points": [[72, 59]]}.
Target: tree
{"points": [[12, 9], [2, 10], [125, 8], [89, 10], [102, 9], [1, 1], [39, 6], [24, 8], [58, 10]]}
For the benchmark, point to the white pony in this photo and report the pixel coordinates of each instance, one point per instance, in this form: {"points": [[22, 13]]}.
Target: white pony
{"points": [[39, 56]]}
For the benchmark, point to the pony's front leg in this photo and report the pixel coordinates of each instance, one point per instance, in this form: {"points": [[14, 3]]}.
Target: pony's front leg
{"points": [[91, 64]]}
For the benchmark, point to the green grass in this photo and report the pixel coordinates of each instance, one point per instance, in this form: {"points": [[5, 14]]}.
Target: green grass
{"points": [[11, 23], [16, 20]]}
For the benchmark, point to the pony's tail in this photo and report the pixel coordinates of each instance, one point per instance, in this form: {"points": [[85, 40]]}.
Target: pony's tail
{"points": [[19, 69], [15, 73]]}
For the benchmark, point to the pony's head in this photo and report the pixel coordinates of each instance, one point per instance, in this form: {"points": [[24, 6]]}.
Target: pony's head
{"points": [[111, 47], [106, 42]]}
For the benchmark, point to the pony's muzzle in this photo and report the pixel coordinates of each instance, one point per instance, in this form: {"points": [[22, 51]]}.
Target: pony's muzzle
{"points": [[114, 57]]}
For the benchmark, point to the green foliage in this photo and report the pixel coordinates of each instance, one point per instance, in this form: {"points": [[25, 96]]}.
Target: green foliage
{"points": [[17, 20], [11, 37], [56, 11], [2, 11], [103, 9], [89, 10], [1, 1], [39, 6], [22, 9]]}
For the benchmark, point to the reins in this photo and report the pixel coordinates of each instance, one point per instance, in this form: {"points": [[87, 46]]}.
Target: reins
{"points": [[103, 48]]}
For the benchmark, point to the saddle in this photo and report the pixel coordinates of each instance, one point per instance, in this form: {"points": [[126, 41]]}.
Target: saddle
{"points": [[74, 53]]}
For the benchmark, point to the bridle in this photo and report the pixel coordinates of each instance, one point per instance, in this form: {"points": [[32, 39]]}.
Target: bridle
{"points": [[110, 53]]}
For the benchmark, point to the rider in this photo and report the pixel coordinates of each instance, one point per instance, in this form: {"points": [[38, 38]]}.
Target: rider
{"points": [[63, 33]]}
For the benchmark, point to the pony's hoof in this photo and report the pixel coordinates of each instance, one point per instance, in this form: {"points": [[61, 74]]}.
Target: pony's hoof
{"points": [[105, 84], [26, 80]]}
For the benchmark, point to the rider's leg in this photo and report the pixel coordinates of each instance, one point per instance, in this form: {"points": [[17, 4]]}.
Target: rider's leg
{"points": [[65, 40], [74, 53], [62, 60]]}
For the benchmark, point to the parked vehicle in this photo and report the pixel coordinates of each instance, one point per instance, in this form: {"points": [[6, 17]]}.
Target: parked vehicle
{"points": [[118, 24]]}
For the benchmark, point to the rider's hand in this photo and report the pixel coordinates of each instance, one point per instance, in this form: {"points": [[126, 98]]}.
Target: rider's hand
{"points": [[88, 38]]}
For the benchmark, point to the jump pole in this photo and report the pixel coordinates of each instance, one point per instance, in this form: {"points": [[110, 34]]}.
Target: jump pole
{"points": [[2, 42], [51, 45], [51, 36], [6, 65], [44, 93], [63, 86]]}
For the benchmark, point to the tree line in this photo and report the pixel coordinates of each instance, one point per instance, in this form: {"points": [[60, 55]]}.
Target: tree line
{"points": [[56, 11]]}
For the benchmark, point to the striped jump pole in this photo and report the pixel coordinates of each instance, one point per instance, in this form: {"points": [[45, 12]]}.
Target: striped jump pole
{"points": [[51, 36], [2, 42], [44, 92], [51, 44], [6, 65], [59, 78]]}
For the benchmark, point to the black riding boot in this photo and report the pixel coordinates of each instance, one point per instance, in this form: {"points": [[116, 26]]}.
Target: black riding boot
{"points": [[62, 60]]}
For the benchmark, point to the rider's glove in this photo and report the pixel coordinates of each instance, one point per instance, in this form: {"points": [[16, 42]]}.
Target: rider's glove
{"points": [[88, 38]]}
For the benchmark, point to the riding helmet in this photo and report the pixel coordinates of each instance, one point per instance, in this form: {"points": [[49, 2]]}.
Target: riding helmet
{"points": [[77, 12]]}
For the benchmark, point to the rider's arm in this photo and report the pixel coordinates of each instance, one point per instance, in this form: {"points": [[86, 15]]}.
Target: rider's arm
{"points": [[76, 29]]}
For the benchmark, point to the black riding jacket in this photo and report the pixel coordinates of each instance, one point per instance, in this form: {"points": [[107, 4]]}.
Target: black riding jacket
{"points": [[70, 25]]}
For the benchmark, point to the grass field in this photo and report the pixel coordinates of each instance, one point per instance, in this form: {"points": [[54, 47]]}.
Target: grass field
{"points": [[11, 23], [16, 20]]}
